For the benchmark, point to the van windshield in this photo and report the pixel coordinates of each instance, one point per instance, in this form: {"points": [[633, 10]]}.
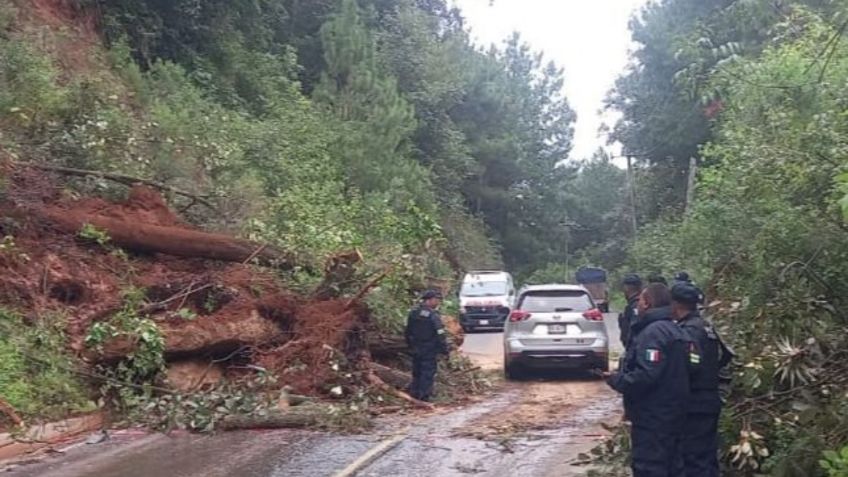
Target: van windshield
{"points": [[483, 289]]}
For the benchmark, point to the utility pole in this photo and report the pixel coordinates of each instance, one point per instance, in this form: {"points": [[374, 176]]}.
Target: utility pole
{"points": [[566, 224], [690, 183], [632, 186]]}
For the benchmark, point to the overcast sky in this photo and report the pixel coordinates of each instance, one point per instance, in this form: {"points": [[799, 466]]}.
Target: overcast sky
{"points": [[589, 38]]}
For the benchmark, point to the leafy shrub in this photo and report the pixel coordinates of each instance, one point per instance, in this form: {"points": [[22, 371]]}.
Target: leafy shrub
{"points": [[835, 463], [36, 372]]}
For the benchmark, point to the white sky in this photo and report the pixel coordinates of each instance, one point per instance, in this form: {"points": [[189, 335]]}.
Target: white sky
{"points": [[588, 38]]}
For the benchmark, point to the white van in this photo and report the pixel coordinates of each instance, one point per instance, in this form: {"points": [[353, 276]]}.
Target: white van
{"points": [[485, 299]]}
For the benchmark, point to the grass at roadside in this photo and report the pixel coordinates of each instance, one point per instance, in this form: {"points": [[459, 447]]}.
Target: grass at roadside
{"points": [[35, 378]]}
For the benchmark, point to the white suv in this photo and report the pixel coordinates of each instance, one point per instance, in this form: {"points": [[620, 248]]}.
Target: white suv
{"points": [[555, 326]]}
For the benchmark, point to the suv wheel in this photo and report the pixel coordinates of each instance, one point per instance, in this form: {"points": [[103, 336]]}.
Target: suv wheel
{"points": [[512, 372]]}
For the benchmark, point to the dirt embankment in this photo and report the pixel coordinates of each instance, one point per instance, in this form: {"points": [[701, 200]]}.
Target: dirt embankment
{"points": [[207, 292]]}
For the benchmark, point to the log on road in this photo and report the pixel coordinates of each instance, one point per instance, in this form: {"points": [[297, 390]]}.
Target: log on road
{"points": [[296, 418]]}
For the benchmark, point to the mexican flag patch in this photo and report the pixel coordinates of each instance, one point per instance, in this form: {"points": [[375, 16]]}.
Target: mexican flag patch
{"points": [[653, 355]]}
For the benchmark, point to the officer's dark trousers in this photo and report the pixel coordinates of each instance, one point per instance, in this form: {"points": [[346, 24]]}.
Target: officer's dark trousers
{"points": [[656, 453], [700, 445], [423, 375]]}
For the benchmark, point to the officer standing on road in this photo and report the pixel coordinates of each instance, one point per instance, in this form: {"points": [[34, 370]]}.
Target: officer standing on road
{"points": [[425, 336], [632, 289], [700, 440], [655, 385]]}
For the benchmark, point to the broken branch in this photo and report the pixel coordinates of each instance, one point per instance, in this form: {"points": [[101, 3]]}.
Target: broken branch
{"points": [[123, 179]]}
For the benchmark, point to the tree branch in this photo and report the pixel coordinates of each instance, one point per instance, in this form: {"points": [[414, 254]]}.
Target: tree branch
{"points": [[123, 179]]}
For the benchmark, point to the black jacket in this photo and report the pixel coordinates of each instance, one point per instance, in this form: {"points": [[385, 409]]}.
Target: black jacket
{"points": [[425, 333], [705, 363], [655, 378], [627, 318]]}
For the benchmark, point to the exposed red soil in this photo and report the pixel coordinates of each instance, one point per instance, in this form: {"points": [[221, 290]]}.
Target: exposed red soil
{"points": [[234, 307]]}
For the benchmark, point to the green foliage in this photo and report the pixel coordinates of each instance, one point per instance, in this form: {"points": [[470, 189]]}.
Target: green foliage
{"points": [[28, 78], [552, 273], [147, 357], [93, 234], [200, 411], [767, 233], [376, 121], [36, 371], [835, 463]]}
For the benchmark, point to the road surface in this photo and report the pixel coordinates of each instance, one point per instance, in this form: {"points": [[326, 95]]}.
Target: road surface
{"points": [[536, 427]]}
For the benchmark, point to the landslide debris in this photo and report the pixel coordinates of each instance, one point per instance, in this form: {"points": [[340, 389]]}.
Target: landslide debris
{"points": [[216, 300]]}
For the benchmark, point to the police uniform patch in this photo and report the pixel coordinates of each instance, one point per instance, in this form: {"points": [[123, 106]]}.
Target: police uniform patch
{"points": [[425, 313], [694, 356], [653, 355]]}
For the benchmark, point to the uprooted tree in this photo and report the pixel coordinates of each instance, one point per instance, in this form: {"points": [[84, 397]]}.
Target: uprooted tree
{"points": [[210, 297]]}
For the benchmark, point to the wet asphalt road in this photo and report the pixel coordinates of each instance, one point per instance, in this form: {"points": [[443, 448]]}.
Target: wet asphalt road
{"points": [[531, 428]]}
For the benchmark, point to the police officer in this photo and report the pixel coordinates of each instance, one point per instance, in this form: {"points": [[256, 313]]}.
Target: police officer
{"points": [[632, 284], [425, 336], [684, 278], [655, 385], [700, 440]]}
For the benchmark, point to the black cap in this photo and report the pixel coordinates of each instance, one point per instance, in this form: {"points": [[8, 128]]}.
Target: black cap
{"points": [[431, 294], [657, 278], [682, 277], [685, 293], [632, 279]]}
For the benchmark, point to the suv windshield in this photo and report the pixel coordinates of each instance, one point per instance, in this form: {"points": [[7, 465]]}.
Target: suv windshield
{"points": [[550, 301], [483, 289]]}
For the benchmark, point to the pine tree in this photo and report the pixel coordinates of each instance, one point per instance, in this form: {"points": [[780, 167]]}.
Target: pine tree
{"points": [[376, 121]]}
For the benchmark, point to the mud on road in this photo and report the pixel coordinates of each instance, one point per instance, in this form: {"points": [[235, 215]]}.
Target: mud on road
{"points": [[535, 427]]}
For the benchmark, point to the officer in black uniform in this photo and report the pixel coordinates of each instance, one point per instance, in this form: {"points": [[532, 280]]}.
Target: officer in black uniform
{"points": [[684, 279], [656, 277], [632, 289], [655, 385], [700, 440], [425, 336]]}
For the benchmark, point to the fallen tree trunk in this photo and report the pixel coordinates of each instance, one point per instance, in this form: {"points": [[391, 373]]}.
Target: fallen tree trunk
{"points": [[378, 383], [211, 335], [295, 418], [386, 346], [176, 241], [396, 378]]}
